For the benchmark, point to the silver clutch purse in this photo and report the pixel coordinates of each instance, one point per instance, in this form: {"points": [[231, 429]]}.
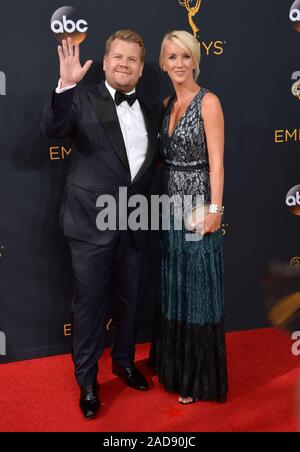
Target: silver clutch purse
{"points": [[194, 219]]}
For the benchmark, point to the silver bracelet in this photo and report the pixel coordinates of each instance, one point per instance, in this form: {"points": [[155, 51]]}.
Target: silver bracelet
{"points": [[214, 208]]}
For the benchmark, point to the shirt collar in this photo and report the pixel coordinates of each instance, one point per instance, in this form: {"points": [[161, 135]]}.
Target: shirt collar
{"points": [[112, 90]]}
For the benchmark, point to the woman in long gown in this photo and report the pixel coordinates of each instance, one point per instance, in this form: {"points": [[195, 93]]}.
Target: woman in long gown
{"points": [[189, 352]]}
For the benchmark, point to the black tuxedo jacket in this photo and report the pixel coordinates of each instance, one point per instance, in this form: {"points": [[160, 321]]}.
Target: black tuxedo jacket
{"points": [[99, 165]]}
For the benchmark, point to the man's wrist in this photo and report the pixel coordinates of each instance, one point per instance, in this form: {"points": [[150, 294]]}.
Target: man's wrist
{"points": [[64, 86]]}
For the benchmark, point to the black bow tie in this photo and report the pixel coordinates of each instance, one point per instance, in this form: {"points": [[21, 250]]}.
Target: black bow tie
{"points": [[121, 97]]}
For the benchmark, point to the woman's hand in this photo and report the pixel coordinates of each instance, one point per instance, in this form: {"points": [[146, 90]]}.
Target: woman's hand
{"points": [[212, 222]]}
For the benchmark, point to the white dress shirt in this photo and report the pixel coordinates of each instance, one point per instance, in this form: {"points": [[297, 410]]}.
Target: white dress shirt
{"points": [[133, 128]]}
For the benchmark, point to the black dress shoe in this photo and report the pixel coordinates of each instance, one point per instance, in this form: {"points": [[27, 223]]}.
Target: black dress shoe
{"points": [[131, 376], [89, 400]]}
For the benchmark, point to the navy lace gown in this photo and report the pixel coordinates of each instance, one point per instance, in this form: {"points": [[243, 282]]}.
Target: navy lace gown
{"points": [[189, 350]]}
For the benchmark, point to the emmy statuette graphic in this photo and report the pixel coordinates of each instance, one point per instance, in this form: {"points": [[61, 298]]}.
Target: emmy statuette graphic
{"points": [[192, 7]]}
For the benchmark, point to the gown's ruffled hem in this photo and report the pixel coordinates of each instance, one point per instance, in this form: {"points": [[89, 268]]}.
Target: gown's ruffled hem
{"points": [[190, 360]]}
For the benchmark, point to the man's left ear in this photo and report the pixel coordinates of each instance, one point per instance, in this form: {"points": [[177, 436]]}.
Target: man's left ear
{"points": [[104, 62]]}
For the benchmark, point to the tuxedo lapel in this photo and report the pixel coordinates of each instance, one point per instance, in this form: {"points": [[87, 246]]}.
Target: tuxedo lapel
{"points": [[105, 110]]}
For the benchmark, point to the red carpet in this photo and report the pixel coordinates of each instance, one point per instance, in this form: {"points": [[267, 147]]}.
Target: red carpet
{"points": [[41, 394]]}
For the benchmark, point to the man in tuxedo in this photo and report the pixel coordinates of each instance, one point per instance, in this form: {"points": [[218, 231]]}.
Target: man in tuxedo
{"points": [[114, 144]]}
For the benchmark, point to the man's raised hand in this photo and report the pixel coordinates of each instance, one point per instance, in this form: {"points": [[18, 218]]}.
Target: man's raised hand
{"points": [[71, 71]]}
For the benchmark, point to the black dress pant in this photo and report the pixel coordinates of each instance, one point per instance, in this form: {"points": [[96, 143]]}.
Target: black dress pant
{"points": [[97, 268]]}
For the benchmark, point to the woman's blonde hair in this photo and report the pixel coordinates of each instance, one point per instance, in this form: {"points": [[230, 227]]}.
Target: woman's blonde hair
{"points": [[184, 40]]}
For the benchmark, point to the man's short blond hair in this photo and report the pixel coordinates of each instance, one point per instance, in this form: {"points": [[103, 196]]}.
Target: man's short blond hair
{"points": [[129, 36]]}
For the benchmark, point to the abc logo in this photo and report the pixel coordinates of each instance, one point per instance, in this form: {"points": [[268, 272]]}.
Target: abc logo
{"points": [[295, 15], [296, 84], [293, 200], [66, 22]]}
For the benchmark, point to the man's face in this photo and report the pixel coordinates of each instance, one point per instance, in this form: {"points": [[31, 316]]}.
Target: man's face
{"points": [[123, 65]]}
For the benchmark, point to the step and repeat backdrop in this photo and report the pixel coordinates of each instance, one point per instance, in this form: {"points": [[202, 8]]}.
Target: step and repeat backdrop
{"points": [[250, 59]]}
